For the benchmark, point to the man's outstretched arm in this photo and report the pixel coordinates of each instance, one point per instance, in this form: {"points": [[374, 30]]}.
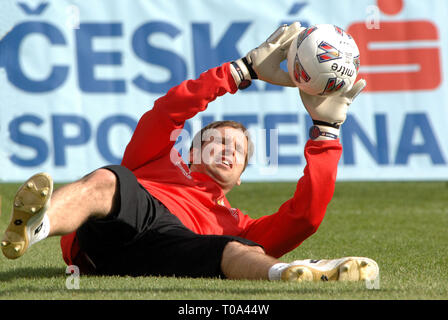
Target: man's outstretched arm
{"points": [[153, 137], [300, 216]]}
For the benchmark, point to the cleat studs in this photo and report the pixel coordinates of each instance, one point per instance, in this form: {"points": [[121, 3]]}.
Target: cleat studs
{"points": [[33, 209], [363, 263], [5, 243], [344, 268], [300, 271], [30, 185], [18, 202], [17, 248], [44, 193]]}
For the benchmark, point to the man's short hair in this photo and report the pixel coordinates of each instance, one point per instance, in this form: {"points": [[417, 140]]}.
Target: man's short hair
{"points": [[197, 140]]}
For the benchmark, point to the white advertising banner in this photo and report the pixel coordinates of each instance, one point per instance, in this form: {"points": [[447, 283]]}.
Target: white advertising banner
{"points": [[75, 77]]}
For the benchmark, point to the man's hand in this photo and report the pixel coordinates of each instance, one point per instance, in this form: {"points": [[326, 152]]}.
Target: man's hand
{"points": [[264, 61], [328, 113]]}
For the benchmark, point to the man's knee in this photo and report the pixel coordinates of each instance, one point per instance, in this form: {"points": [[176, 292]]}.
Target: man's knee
{"points": [[235, 248], [101, 179], [102, 185], [241, 261]]}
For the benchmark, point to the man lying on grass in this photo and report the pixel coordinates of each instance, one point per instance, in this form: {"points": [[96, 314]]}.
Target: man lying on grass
{"points": [[156, 215]]}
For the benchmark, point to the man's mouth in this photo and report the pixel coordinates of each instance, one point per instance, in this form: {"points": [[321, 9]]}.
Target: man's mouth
{"points": [[227, 163]]}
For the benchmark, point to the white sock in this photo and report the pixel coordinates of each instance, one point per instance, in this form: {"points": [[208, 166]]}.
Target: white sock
{"points": [[275, 272], [41, 231]]}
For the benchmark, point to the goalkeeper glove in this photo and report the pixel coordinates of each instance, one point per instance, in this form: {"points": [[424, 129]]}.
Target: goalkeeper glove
{"points": [[264, 61], [328, 113]]}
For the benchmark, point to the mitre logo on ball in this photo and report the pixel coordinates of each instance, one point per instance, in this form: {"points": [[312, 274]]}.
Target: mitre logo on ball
{"points": [[323, 60]]}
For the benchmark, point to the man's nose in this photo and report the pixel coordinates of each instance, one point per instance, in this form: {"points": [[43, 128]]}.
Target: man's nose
{"points": [[229, 149]]}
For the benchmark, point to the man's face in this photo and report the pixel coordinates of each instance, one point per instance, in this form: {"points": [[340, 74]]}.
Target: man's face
{"points": [[222, 156]]}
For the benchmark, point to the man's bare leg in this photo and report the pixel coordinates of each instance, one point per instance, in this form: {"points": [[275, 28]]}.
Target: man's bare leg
{"points": [[37, 213], [71, 205], [240, 261], [247, 262]]}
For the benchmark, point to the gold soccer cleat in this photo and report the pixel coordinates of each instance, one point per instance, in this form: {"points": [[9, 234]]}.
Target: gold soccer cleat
{"points": [[30, 203], [343, 269]]}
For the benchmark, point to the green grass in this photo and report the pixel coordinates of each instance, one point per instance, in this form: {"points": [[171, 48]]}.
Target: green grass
{"points": [[402, 225]]}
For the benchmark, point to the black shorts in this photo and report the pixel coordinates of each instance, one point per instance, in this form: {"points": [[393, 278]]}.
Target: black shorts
{"points": [[141, 237]]}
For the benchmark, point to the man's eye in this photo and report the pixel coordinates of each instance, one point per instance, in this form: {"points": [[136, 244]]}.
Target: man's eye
{"points": [[215, 141]]}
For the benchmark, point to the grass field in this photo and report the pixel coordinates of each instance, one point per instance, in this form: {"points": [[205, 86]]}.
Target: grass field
{"points": [[402, 225]]}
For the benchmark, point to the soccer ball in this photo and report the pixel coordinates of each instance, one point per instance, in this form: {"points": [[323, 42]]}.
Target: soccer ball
{"points": [[323, 60]]}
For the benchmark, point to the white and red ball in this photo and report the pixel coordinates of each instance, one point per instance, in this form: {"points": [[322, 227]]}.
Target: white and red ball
{"points": [[323, 60]]}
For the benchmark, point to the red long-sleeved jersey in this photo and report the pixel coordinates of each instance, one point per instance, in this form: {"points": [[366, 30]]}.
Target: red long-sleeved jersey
{"points": [[196, 199]]}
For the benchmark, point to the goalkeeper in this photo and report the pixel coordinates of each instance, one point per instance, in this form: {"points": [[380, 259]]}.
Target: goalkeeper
{"points": [[156, 215]]}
